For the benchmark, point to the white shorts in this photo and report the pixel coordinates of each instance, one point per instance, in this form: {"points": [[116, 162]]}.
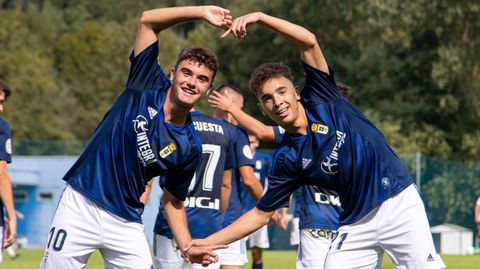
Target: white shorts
{"points": [[295, 232], [167, 257], [399, 227], [80, 227], [313, 248], [235, 254], [259, 238]]}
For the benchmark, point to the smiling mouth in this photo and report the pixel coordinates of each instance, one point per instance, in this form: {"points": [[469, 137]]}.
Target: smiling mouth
{"points": [[189, 91], [283, 112]]}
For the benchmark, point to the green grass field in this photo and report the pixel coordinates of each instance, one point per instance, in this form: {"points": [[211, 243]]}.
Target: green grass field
{"points": [[30, 258]]}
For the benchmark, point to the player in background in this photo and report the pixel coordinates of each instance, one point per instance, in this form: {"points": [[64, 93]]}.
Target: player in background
{"points": [[316, 210], [203, 202], [477, 221], [329, 143], [8, 225], [147, 132], [259, 239], [235, 256]]}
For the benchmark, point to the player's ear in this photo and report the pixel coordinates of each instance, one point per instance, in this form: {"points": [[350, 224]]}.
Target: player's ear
{"points": [[170, 74], [297, 93]]}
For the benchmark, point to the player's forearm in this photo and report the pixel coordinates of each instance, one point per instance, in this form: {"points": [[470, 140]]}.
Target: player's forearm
{"points": [[6, 194], [245, 225], [304, 40], [177, 219], [226, 190], [163, 18], [146, 194], [297, 35], [253, 126], [254, 188], [156, 20]]}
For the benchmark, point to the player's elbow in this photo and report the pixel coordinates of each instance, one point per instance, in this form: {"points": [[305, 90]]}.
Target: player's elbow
{"points": [[145, 20], [309, 41]]}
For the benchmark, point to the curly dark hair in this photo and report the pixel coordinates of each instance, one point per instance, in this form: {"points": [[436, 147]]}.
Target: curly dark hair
{"points": [[199, 55], [267, 71], [4, 87]]}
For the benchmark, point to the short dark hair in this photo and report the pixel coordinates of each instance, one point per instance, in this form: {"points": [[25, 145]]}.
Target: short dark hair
{"points": [[199, 55], [4, 87], [230, 86], [267, 71], [344, 89]]}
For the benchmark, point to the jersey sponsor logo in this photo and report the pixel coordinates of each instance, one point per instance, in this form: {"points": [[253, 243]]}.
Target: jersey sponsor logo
{"points": [[144, 151], [169, 149], [201, 126], [319, 128], [202, 202], [247, 152], [430, 258], [8, 146], [327, 199], [140, 124], [152, 112], [330, 163]]}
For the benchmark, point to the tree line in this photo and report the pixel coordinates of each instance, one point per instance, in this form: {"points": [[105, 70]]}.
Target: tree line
{"points": [[411, 65]]}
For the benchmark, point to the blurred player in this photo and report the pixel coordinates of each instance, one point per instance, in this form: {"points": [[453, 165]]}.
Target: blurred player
{"points": [[147, 132], [235, 256], [329, 143], [477, 221], [8, 226], [259, 239], [203, 202]]}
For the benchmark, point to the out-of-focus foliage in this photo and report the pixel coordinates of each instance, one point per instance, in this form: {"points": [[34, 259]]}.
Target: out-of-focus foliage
{"points": [[412, 65]]}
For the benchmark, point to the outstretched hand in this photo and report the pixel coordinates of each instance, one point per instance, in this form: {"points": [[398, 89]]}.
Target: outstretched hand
{"points": [[197, 251], [220, 101], [240, 25], [217, 16]]}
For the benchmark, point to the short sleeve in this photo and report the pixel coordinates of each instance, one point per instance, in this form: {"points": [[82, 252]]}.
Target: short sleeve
{"points": [[278, 131], [243, 153], [320, 87], [277, 193], [145, 71], [5, 141]]}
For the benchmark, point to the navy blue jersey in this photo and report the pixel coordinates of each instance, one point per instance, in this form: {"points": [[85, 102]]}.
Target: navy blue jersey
{"points": [[317, 208], [262, 166], [133, 143], [243, 157], [5, 153], [342, 151], [203, 200]]}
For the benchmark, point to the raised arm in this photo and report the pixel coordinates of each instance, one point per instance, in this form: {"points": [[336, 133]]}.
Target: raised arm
{"points": [[299, 37], [154, 21], [252, 125]]}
